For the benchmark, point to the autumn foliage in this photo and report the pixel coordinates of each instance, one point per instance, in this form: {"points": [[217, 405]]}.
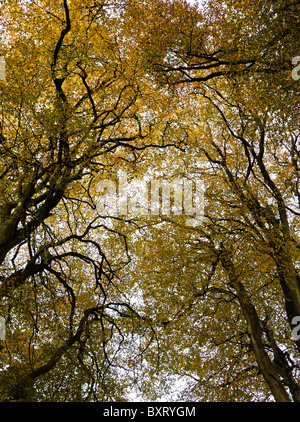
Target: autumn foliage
{"points": [[100, 307]]}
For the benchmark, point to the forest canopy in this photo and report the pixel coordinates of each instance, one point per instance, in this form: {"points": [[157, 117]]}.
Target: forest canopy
{"points": [[184, 300]]}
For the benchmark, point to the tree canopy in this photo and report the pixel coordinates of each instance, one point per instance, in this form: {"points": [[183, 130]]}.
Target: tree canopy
{"points": [[102, 306]]}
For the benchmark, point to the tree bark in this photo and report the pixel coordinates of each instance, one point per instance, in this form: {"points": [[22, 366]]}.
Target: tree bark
{"points": [[266, 366]]}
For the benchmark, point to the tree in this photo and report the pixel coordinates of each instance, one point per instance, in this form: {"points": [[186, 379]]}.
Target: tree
{"points": [[72, 112], [247, 130], [98, 304]]}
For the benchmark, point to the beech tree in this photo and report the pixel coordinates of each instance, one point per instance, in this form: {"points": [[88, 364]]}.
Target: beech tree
{"points": [[72, 112], [245, 125]]}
